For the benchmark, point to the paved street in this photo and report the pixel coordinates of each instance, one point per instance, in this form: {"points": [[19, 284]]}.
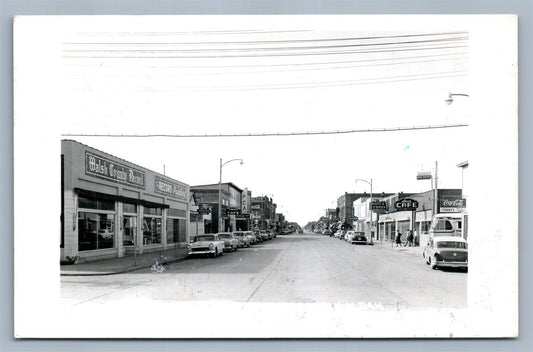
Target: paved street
{"points": [[303, 268]]}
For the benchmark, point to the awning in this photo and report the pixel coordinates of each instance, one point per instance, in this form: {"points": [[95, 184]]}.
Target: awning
{"points": [[91, 194]]}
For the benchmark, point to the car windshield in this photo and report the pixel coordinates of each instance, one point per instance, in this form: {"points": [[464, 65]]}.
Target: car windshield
{"points": [[224, 235], [450, 244], [239, 234], [204, 238]]}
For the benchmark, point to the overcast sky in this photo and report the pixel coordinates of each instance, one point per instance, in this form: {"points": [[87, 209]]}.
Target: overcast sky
{"points": [[247, 77]]}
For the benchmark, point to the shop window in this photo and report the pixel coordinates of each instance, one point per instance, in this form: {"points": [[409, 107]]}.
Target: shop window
{"points": [[95, 231], [95, 203], [151, 230], [153, 211], [129, 208]]}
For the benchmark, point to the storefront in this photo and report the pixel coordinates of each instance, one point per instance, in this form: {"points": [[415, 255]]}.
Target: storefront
{"points": [[111, 207]]}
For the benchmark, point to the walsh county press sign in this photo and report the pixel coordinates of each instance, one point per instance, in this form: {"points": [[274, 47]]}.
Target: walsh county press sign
{"points": [[107, 169]]}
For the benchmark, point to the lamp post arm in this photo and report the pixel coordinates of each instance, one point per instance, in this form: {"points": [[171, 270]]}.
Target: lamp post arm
{"points": [[227, 162]]}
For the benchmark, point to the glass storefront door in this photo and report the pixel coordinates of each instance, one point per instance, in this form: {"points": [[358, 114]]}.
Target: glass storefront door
{"points": [[129, 229]]}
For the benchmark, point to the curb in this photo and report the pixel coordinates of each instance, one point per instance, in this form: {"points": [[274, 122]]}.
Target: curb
{"points": [[120, 271]]}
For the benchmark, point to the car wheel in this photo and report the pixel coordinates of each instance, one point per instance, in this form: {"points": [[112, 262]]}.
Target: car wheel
{"points": [[216, 253]]}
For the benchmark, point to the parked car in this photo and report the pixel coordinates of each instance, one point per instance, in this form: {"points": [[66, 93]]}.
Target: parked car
{"points": [[206, 244], [357, 237], [244, 240], [251, 236], [258, 236], [339, 234], [265, 235], [446, 251], [230, 242]]}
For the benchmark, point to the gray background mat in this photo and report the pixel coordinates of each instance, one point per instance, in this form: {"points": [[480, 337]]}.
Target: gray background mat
{"points": [[10, 8]]}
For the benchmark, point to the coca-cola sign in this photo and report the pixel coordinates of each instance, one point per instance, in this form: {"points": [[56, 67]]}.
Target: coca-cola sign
{"points": [[455, 203]]}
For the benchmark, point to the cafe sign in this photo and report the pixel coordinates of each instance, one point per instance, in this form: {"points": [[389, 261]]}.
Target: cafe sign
{"points": [[406, 204], [110, 170], [170, 188]]}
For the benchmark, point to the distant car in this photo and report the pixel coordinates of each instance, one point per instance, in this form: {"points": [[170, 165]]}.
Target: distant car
{"points": [[339, 234], [251, 236], [206, 244], [357, 237], [230, 242], [258, 236], [265, 235], [244, 241], [446, 251]]}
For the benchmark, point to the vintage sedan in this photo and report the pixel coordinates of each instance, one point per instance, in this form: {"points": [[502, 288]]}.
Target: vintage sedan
{"points": [[265, 235], [446, 251], [206, 244], [244, 240], [339, 234], [230, 242], [258, 236], [251, 236], [357, 237]]}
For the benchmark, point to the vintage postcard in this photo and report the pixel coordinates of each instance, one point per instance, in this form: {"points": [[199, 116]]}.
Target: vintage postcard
{"points": [[266, 176]]}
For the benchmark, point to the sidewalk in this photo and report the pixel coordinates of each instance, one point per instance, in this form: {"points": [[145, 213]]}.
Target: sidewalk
{"points": [[123, 264], [416, 250]]}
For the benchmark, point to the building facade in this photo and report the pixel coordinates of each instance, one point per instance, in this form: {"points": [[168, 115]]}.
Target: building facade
{"points": [[263, 213], [111, 207], [230, 201]]}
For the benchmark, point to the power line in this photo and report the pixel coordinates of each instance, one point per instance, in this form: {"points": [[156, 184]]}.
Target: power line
{"points": [[165, 67], [282, 48], [298, 69], [258, 55], [268, 134], [388, 79], [276, 41]]}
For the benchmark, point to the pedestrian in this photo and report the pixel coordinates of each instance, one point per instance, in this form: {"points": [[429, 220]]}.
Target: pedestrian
{"points": [[410, 238], [398, 239], [416, 239]]}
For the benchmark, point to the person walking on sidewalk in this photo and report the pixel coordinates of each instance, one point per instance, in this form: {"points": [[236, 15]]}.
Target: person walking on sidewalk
{"points": [[410, 238], [398, 239]]}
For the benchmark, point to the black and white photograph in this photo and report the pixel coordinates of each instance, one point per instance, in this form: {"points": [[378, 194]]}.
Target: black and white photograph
{"points": [[332, 176]]}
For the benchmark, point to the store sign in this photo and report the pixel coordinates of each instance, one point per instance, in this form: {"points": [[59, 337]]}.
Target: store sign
{"points": [[204, 208], [423, 175], [380, 205], [113, 171], [233, 211], [406, 204], [170, 188], [256, 206], [242, 217], [452, 205]]}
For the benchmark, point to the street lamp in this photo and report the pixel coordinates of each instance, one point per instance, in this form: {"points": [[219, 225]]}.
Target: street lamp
{"points": [[220, 191], [451, 95], [369, 206]]}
